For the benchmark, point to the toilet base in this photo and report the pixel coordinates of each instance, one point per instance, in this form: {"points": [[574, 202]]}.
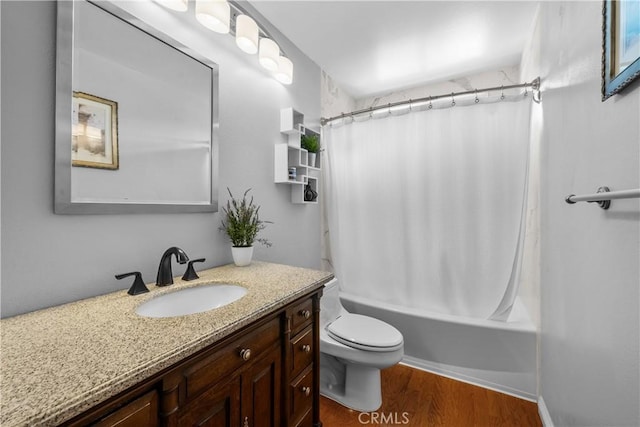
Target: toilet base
{"points": [[354, 386]]}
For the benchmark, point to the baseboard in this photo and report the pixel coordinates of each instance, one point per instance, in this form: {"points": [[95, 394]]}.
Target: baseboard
{"points": [[545, 416], [467, 377]]}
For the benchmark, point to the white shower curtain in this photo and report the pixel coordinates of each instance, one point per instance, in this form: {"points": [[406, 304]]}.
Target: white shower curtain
{"points": [[425, 210]]}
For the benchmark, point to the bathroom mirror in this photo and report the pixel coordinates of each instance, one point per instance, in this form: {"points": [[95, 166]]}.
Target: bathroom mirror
{"points": [[136, 116]]}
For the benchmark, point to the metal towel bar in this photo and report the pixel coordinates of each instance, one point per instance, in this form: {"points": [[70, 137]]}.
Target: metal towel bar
{"points": [[603, 200]]}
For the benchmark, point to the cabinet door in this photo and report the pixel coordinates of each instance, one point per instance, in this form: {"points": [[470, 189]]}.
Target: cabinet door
{"points": [[217, 407], [301, 395], [142, 412], [301, 350], [261, 392]]}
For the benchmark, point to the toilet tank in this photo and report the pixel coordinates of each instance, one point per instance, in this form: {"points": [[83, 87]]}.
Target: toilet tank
{"points": [[330, 305]]}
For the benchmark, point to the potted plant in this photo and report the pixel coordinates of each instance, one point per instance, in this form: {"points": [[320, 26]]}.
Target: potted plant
{"points": [[242, 223], [312, 145]]}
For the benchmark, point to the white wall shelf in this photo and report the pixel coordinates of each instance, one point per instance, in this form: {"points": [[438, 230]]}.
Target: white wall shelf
{"points": [[291, 121], [291, 155]]}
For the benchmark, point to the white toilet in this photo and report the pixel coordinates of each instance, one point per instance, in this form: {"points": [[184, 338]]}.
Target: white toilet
{"points": [[353, 349]]}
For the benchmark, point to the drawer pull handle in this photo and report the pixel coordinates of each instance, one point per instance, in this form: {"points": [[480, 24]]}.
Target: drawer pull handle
{"points": [[246, 422], [306, 391], [306, 348], [245, 354], [305, 313]]}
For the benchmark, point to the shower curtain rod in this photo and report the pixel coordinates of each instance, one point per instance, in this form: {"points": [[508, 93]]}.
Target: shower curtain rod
{"points": [[534, 85], [603, 196]]}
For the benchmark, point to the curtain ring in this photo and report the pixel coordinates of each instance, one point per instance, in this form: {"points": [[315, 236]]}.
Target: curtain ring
{"points": [[430, 103], [477, 100], [502, 93], [526, 93], [537, 96], [410, 106], [453, 101]]}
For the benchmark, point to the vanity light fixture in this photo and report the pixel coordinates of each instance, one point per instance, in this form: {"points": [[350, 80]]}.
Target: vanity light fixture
{"points": [[269, 54], [214, 14], [247, 34], [217, 15], [177, 5], [284, 74]]}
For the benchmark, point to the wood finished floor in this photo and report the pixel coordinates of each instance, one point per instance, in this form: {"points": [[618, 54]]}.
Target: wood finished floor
{"points": [[416, 398]]}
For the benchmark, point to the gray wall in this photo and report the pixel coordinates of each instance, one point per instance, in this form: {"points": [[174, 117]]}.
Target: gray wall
{"points": [[590, 258], [51, 259]]}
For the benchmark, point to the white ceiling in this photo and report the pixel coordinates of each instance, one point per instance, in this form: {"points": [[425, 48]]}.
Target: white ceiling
{"points": [[371, 47]]}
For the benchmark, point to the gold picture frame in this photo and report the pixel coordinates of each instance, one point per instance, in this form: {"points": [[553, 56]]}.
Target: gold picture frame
{"points": [[94, 140], [620, 45]]}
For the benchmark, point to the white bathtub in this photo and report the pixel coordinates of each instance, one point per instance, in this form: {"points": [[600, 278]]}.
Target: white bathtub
{"points": [[497, 355]]}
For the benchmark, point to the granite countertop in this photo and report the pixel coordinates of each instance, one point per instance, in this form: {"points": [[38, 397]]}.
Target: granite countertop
{"points": [[58, 362]]}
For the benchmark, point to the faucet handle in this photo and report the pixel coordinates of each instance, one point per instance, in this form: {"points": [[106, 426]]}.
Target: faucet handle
{"points": [[138, 286], [190, 273]]}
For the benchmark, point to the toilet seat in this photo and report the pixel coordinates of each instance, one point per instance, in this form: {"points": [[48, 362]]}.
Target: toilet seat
{"points": [[364, 333]]}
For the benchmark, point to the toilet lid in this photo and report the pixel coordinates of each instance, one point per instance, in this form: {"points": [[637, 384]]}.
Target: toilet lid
{"points": [[364, 332]]}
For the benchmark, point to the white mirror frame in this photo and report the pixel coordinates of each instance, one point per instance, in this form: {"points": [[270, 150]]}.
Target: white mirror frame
{"points": [[63, 203]]}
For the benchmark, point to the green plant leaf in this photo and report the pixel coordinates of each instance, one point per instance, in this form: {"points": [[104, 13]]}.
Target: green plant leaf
{"points": [[241, 221], [310, 143]]}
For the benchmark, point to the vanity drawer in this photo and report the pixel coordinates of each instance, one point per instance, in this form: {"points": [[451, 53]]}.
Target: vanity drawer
{"points": [[306, 421], [142, 411], [301, 351], [301, 395], [302, 315], [225, 360]]}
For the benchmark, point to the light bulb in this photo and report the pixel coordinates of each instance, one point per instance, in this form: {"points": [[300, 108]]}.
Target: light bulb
{"points": [[284, 74], [247, 34], [269, 54], [214, 14]]}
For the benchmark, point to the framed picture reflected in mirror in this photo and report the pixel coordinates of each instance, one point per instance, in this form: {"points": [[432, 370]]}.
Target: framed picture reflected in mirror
{"points": [[94, 133], [620, 45]]}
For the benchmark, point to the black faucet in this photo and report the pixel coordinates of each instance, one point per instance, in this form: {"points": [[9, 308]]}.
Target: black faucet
{"points": [[190, 272], [165, 276], [138, 286]]}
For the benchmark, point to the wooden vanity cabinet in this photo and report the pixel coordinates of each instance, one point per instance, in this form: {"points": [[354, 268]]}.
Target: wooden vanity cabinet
{"points": [[137, 407], [264, 375], [303, 363], [232, 384]]}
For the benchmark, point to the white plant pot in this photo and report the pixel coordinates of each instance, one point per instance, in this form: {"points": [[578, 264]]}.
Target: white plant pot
{"points": [[312, 159], [242, 255]]}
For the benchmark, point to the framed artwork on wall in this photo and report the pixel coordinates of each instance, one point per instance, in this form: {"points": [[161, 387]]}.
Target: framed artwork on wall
{"points": [[94, 134], [620, 45]]}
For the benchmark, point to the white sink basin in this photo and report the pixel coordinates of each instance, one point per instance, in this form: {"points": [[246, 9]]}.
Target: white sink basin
{"points": [[191, 300]]}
